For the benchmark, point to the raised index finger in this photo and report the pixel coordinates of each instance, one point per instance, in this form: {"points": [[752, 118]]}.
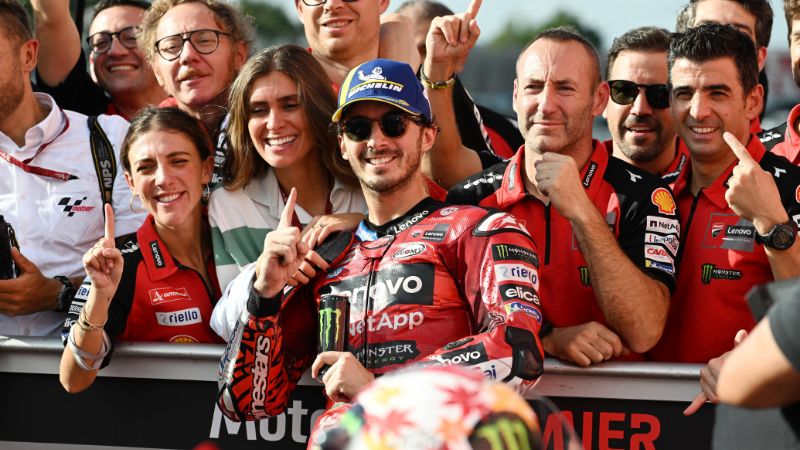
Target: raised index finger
{"points": [[109, 233], [288, 210], [738, 148], [473, 8]]}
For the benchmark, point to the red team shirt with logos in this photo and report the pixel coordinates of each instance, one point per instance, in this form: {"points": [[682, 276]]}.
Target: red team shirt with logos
{"points": [[720, 263], [628, 199], [158, 299]]}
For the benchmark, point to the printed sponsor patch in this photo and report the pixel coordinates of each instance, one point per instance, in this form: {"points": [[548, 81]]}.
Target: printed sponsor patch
{"points": [[156, 251], [183, 339], [447, 211], [670, 241], [657, 253], [487, 178], [469, 355], [505, 252], [730, 232], [583, 274], [403, 284], [662, 198], [587, 179], [437, 234], [388, 353], [660, 224], [409, 250], [709, 272], [71, 207], [522, 307], [518, 273], [179, 318], [668, 268], [499, 222], [513, 292], [168, 294]]}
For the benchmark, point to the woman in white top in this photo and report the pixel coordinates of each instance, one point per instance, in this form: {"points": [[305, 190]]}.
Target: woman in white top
{"points": [[280, 108]]}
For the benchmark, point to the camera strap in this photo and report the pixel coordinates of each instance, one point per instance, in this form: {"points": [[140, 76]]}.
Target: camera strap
{"points": [[105, 163]]}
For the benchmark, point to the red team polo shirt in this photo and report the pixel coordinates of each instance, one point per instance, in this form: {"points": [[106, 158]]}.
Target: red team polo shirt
{"points": [[784, 140], [720, 263], [637, 206]]}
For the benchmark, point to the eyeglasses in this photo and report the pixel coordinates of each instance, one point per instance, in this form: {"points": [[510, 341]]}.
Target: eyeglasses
{"points": [[392, 125], [322, 2], [624, 92], [203, 41], [101, 41]]}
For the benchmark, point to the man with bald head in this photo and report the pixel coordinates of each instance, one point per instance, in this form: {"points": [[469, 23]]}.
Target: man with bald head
{"points": [[607, 231]]}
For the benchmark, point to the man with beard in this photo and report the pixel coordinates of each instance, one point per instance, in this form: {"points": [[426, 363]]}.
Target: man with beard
{"points": [[121, 82], [196, 48], [426, 282], [49, 189], [784, 140], [638, 114], [608, 229]]}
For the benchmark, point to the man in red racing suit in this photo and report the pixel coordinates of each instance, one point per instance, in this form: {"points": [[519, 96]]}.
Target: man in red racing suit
{"points": [[435, 284]]}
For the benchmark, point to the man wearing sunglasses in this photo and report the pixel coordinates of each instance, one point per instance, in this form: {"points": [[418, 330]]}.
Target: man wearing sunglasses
{"points": [[196, 49], [638, 115], [606, 273], [426, 282], [120, 80]]}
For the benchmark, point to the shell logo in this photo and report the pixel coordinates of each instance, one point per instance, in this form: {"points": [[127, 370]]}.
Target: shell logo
{"points": [[183, 339], [663, 199]]}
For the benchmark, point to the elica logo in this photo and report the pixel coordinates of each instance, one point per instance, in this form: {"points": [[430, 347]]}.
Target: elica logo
{"points": [[517, 273], [710, 272], [472, 354], [512, 292], [260, 372], [72, 207], [168, 294], [179, 318]]}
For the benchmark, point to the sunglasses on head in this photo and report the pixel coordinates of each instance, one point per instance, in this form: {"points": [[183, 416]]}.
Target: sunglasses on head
{"points": [[392, 125], [624, 92]]}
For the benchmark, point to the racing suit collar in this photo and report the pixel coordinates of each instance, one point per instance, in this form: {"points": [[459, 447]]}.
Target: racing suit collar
{"points": [[407, 220]]}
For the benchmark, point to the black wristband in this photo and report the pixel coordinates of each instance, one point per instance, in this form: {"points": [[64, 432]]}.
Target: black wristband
{"points": [[65, 295], [259, 306]]}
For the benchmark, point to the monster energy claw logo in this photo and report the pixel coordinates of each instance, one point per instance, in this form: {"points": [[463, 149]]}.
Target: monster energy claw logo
{"points": [[710, 271], [585, 279], [326, 328], [505, 433]]}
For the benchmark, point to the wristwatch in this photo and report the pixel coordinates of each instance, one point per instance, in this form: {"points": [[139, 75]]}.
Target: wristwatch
{"points": [[65, 295], [780, 236]]}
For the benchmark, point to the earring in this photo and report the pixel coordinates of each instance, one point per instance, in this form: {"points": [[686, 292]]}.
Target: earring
{"points": [[206, 193], [134, 210]]}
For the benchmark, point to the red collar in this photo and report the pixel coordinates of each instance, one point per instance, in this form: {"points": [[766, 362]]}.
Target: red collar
{"points": [[716, 192], [513, 188], [157, 260]]}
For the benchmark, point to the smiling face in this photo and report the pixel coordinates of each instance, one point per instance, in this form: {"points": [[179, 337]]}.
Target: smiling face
{"points": [[707, 100], [385, 165], [556, 95], [120, 70], [640, 131], [339, 30], [194, 79], [276, 121], [168, 174]]}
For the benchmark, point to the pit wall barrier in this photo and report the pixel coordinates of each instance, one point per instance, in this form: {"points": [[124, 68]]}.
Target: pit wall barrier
{"points": [[162, 396]]}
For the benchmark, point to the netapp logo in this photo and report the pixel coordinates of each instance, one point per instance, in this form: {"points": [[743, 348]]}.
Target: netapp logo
{"points": [[386, 321], [401, 284], [178, 318], [662, 225]]}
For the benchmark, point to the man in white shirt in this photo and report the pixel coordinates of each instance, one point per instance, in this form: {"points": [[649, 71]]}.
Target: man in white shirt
{"points": [[49, 189]]}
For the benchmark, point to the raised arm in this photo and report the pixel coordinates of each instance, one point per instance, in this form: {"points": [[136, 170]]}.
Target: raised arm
{"points": [[59, 40], [397, 39]]}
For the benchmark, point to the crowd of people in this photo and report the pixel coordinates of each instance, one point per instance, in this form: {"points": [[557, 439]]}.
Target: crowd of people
{"points": [[189, 188]]}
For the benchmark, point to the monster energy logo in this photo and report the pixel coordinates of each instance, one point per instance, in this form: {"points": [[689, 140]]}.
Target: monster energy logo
{"points": [[585, 279], [326, 328], [502, 252], [505, 433], [710, 271]]}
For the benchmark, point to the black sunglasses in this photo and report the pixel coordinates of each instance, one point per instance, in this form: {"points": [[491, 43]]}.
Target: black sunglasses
{"points": [[624, 92], [393, 125], [101, 41]]}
